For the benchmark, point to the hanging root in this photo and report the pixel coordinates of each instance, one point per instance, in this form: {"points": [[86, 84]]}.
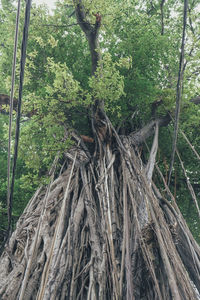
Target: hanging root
{"points": [[105, 233]]}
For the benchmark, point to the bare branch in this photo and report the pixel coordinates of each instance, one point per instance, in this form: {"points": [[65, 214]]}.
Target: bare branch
{"points": [[152, 157], [195, 100], [91, 32], [81, 18], [139, 137], [162, 16], [190, 187], [5, 100]]}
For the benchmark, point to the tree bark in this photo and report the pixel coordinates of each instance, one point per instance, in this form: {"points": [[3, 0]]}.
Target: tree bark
{"points": [[85, 237]]}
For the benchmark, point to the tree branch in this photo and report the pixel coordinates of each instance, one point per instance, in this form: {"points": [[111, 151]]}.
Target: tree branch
{"points": [[162, 16], [91, 32], [195, 100], [81, 18], [5, 100], [140, 136], [152, 157]]}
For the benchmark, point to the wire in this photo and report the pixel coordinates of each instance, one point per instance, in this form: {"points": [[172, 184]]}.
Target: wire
{"points": [[178, 90], [17, 132], [11, 107]]}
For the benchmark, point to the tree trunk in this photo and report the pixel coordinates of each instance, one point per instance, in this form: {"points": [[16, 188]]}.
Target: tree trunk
{"points": [[101, 230]]}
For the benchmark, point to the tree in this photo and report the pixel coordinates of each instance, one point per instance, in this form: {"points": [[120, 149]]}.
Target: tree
{"points": [[100, 229]]}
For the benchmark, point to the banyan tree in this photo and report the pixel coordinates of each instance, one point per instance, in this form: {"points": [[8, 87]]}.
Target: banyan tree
{"points": [[101, 229]]}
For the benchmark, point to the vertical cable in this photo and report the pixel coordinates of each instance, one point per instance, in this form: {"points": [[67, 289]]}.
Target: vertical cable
{"points": [[178, 90], [11, 105], [22, 67]]}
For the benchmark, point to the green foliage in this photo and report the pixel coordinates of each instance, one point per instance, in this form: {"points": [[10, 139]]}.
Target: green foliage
{"points": [[21, 193], [3, 161], [108, 83]]}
